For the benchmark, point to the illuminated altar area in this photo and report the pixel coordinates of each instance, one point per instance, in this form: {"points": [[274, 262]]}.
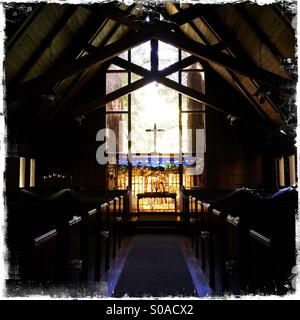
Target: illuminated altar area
{"points": [[153, 175]]}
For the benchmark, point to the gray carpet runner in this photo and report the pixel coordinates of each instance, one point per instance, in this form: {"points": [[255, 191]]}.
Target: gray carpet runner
{"points": [[155, 267]]}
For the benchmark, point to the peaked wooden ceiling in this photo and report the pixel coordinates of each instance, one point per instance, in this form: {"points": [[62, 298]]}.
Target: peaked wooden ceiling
{"points": [[59, 49]]}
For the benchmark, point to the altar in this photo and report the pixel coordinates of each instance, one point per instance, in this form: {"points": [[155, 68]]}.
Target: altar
{"points": [[156, 195]]}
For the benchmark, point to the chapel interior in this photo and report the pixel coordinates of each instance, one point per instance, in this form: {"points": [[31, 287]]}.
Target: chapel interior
{"points": [[150, 149]]}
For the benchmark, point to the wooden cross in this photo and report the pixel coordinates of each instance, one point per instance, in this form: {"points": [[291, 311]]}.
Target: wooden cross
{"points": [[155, 132]]}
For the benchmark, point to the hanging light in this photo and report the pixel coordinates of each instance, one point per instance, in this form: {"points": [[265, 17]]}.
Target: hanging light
{"points": [[262, 93], [231, 118]]}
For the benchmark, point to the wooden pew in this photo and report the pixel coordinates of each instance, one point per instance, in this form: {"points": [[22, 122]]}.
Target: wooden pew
{"points": [[219, 252], [192, 221], [197, 212], [89, 245], [207, 239], [237, 258], [69, 250], [111, 229], [200, 253], [102, 243], [81, 245], [44, 256], [119, 221], [261, 264], [185, 205], [75, 249], [229, 248]]}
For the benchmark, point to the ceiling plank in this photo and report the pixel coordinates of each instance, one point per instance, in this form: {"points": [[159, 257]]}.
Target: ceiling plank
{"points": [[45, 81], [259, 32], [46, 43], [24, 26], [280, 14], [74, 50], [81, 38]]}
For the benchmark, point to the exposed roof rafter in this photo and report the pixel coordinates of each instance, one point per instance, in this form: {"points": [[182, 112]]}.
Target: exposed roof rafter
{"points": [[150, 76], [163, 32], [211, 55], [221, 45], [48, 79]]}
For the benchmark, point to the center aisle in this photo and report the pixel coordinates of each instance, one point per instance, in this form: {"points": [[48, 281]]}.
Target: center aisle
{"points": [[155, 266]]}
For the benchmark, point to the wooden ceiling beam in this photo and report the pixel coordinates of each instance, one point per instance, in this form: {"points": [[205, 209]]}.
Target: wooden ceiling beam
{"points": [[221, 46], [210, 102], [149, 76], [133, 21], [45, 44], [193, 25], [48, 79], [185, 15], [209, 54], [97, 103], [112, 12], [248, 95], [91, 49], [193, 94], [175, 67], [163, 33]]}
